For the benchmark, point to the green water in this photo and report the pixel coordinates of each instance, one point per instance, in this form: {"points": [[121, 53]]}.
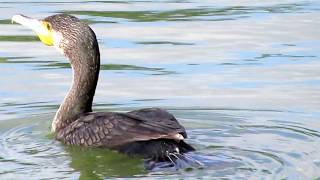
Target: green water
{"points": [[242, 77]]}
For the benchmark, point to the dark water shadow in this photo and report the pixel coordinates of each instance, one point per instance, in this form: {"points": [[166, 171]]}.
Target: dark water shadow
{"points": [[19, 38], [64, 2], [204, 13], [5, 21], [164, 43], [16, 60], [98, 163], [157, 71]]}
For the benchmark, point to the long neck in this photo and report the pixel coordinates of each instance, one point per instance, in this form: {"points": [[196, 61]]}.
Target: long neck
{"points": [[85, 63]]}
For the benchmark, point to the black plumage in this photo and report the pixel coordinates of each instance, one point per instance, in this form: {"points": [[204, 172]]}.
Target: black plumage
{"points": [[152, 133]]}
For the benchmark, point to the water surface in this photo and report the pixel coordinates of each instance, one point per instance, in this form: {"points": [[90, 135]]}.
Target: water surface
{"points": [[242, 76]]}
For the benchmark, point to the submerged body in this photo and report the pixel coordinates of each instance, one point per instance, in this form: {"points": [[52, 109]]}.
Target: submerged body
{"points": [[152, 133]]}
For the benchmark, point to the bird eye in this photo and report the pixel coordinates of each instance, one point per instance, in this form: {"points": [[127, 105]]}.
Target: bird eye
{"points": [[48, 26]]}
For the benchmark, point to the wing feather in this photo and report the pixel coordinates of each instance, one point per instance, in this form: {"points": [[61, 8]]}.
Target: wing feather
{"points": [[109, 129]]}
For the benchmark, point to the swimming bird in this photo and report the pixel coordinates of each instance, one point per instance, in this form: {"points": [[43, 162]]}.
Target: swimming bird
{"points": [[152, 133]]}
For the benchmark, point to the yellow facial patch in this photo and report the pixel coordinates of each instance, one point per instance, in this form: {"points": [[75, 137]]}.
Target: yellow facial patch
{"points": [[46, 33], [42, 28]]}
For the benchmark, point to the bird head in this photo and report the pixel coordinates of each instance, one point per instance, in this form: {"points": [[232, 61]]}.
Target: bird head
{"points": [[64, 32]]}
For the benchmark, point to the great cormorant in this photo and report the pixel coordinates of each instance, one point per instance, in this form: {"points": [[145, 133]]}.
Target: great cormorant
{"points": [[152, 133]]}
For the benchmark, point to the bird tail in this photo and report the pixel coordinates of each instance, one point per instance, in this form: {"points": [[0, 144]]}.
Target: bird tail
{"points": [[175, 162]]}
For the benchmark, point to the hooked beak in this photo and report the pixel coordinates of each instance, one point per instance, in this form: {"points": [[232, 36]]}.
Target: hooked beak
{"points": [[31, 23], [40, 27]]}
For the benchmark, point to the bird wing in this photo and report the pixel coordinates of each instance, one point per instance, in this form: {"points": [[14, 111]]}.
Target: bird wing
{"points": [[109, 129], [158, 118]]}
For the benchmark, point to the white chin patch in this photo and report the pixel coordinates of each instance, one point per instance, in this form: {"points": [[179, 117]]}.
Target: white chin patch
{"points": [[178, 137], [57, 41]]}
